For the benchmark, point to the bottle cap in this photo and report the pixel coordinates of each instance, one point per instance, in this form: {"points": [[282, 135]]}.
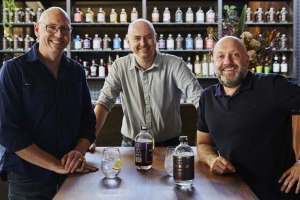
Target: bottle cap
{"points": [[143, 127], [183, 138]]}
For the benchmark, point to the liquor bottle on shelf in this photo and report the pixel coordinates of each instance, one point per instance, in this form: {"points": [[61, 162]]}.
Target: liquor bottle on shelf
{"points": [[27, 43], [5, 43], [189, 42], [117, 42], [101, 16], [209, 42], [166, 16], [283, 42], [134, 14], [101, 68], [161, 42], [183, 164], [113, 17], [38, 14], [200, 16], [77, 43], [125, 44], [197, 67], [267, 67], [5, 15], [210, 16], [106, 42], [87, 44], [123, 16], [18, 15], [179, 42], [87, 69], [198, 42], [258, 15], [278, 15], [189, 63], [89, 16], [205, 67], [283, 15], [155, 15], [189, 15], [29, 15], [270, 15], [283, 66], [249, 15], [97, 42], [78, 15], [17, 42], [178, 16], [94, 68], [143, 149], [276, 65], [170, 42], [211, 67]]}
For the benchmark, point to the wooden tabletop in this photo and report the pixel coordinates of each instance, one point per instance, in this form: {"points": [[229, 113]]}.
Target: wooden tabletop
{"points": [[151, 184]]}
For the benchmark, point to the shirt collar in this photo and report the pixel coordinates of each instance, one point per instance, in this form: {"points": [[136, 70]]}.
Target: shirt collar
{"points": [[156, 62]]}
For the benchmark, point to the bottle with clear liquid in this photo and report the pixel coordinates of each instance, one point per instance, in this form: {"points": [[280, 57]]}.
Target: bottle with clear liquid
{"points": [[189, 15], [143, 149], [123, 16], [209, 42], [161, 42], [134, 14], [170, 42], [166, 16], [97, 42], [117, 42], [39, 13], [283, 66], [183, 164], [28, 15], [87, 42], [155, 15], [18, 15], [179, 42], [211, 67], [27, 43], [178, 16], [249, 15], [200, 16], [189, 63], [78, 15], [101, 68], [283, 15], [78, 43], [5, 44], [94, 69], [113, 17], [205, 67], [125, 44], [189, 42], [210, 16], [101, 16], [87, 69], [198, 42], [270, 15], [197, 67], [106, 42], [109, 64], [5, 15], [283, 42], [276, 65], [89, 16], [17, 43], [259, 16], [267, 67]]}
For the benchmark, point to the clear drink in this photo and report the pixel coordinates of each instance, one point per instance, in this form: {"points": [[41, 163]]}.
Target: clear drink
{"points": [[111, 163], [169, 160]]}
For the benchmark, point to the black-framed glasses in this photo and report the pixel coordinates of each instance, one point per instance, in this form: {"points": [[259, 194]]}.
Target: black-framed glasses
{"points": [[53, 29]]}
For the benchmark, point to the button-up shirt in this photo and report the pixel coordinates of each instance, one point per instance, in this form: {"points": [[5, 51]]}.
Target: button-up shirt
{"points": [[152, 96]]}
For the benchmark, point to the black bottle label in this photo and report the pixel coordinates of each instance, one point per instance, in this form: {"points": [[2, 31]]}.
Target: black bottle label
{"points": [[183, 168]]}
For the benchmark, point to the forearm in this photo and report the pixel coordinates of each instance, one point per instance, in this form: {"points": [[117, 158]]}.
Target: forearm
{"points": [[101, 114], [82, 145], [207, 153]]}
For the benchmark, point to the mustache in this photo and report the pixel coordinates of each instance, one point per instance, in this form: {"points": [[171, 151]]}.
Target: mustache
{"points": [[223, 67]]}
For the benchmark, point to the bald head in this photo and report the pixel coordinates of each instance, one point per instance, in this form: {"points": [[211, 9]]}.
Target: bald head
{"points": [[140, 21], [54, 12], [230, 40]]}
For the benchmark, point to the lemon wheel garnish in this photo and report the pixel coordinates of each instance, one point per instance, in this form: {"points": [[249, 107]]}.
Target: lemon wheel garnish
{"points": [[118, 164]]}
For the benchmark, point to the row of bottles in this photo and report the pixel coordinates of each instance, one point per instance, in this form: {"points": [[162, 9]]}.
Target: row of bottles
{"points": [[19, 16], [91, 17], [17, 43], [189, 16], [203, 67], [269, 16]]}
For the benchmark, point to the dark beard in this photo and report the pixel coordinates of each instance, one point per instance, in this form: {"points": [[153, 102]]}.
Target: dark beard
{"points": [[237, 80]]}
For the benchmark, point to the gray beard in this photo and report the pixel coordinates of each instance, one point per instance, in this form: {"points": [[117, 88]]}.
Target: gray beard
{"points": [[237, 80]]}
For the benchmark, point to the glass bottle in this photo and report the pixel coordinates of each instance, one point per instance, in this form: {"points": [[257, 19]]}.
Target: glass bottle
{"points": [[125, 44], [134, 14], [155, 15], [197, 67], [27, 43], [259, 16], [183, 164], [78, 15], [16, 42], [143, 149], [178, 16], [283, 15], [170, 42], [210, 16], [166, 16], [198, 42], [106, 42], [109, 64], [278, 15], [39, 13], [101, 16], [161, 42], [89, 16], [248, 15], [101, 68], [123, 16], [87, 69], [189, 63], [28, 15], [87, 42], [18, 15], [179, 42], [209, 42], [270, 15], [94, 68], [276, 65], [78, 43], [205, 66], [189, 15], [211, 67], [5, 44], [97, 42], [5, 15], [283, 66], [267, 67], [200, 16], [113, 16], [283, 42], [189, 43], [117, 42]]}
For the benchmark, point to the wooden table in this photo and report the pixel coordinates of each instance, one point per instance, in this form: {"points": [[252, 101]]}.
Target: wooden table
{"points": [[152, 184]]}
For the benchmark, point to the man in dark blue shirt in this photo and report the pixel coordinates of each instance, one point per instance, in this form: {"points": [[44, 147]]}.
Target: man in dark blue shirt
{"points": [[47, 121], [244, 124]]}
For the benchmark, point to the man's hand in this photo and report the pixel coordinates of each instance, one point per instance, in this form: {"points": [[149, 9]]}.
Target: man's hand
{"points": [[291, 177], [73, 160], [92, 147], [221, 166], [87, 169]]}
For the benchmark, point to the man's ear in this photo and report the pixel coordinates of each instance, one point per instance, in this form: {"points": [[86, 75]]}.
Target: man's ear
{"points": [[36, 29]]}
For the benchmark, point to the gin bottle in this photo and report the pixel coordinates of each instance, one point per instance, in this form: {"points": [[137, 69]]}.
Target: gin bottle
{"points": [[97, 42], [284, 66], [210, 16], [198, 42], [161, 42], [94, 69], [87, 69], [197, 67], [283, 42], [101, 16], [189, 16], [27, 43], [205, 67], [178, 16], [101, 68], [113, 16], [5, 44], [125, 44], [189, 43], [276, 65], [179, 42], [134, 14], [87, 42], [211, 67], [200, 16], [39, 13], [155, 15], [109, 64], [183, 164], [123, 16], [270, 15], [28, 15], [209, 42], [117, 42], [78, 43], [106, 42], [143, 149], [166, 16], [283, 15], [189, 63], [259, 15], [89, 16], [78, 15], [170, 42], [248, 15]]}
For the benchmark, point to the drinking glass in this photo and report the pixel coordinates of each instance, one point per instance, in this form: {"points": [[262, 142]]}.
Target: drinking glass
{"points": [[111, 163], [169, 160]]}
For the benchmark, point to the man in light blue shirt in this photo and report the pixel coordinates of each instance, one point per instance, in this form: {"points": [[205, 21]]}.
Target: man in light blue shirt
{"points": [[150, 85]]}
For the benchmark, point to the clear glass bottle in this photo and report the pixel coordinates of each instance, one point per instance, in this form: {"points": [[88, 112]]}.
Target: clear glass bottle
{"points": [[109, 64], [189, 42], [178, 16], [17, 45], [183, 164], [259, 16], [113, 17], [283, 66], [271, 15], [166, 16], [197, 67], [117, 42], [161, 42], [39, 13], [97, 42], [143, 149], [276, 65], [249, 15], [125, 44], [77, 15], [211, 70], [101, 68], [87, 42], [210, 16], [205, 67], [28, 15], [5, 15], [134, 14], [267, 67], [19, 15], [155, 15], [89, 16], [198, 42], [189, 15], [78, 43], [179, 42], [5, 44], [106, 42], [189, 63], [200, 16], [283, 15], [123, 16], [87, 69], [101, 16], [170, 42], [94, 68], [27, 43], [283, 42], [209, 42]]}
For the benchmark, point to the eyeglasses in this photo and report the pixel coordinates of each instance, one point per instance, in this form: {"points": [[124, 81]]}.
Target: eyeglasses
{"points": [[53, 29]]}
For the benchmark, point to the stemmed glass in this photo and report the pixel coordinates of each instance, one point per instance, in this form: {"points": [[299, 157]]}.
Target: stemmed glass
{"points": [[111, 163], [169, 160]]}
